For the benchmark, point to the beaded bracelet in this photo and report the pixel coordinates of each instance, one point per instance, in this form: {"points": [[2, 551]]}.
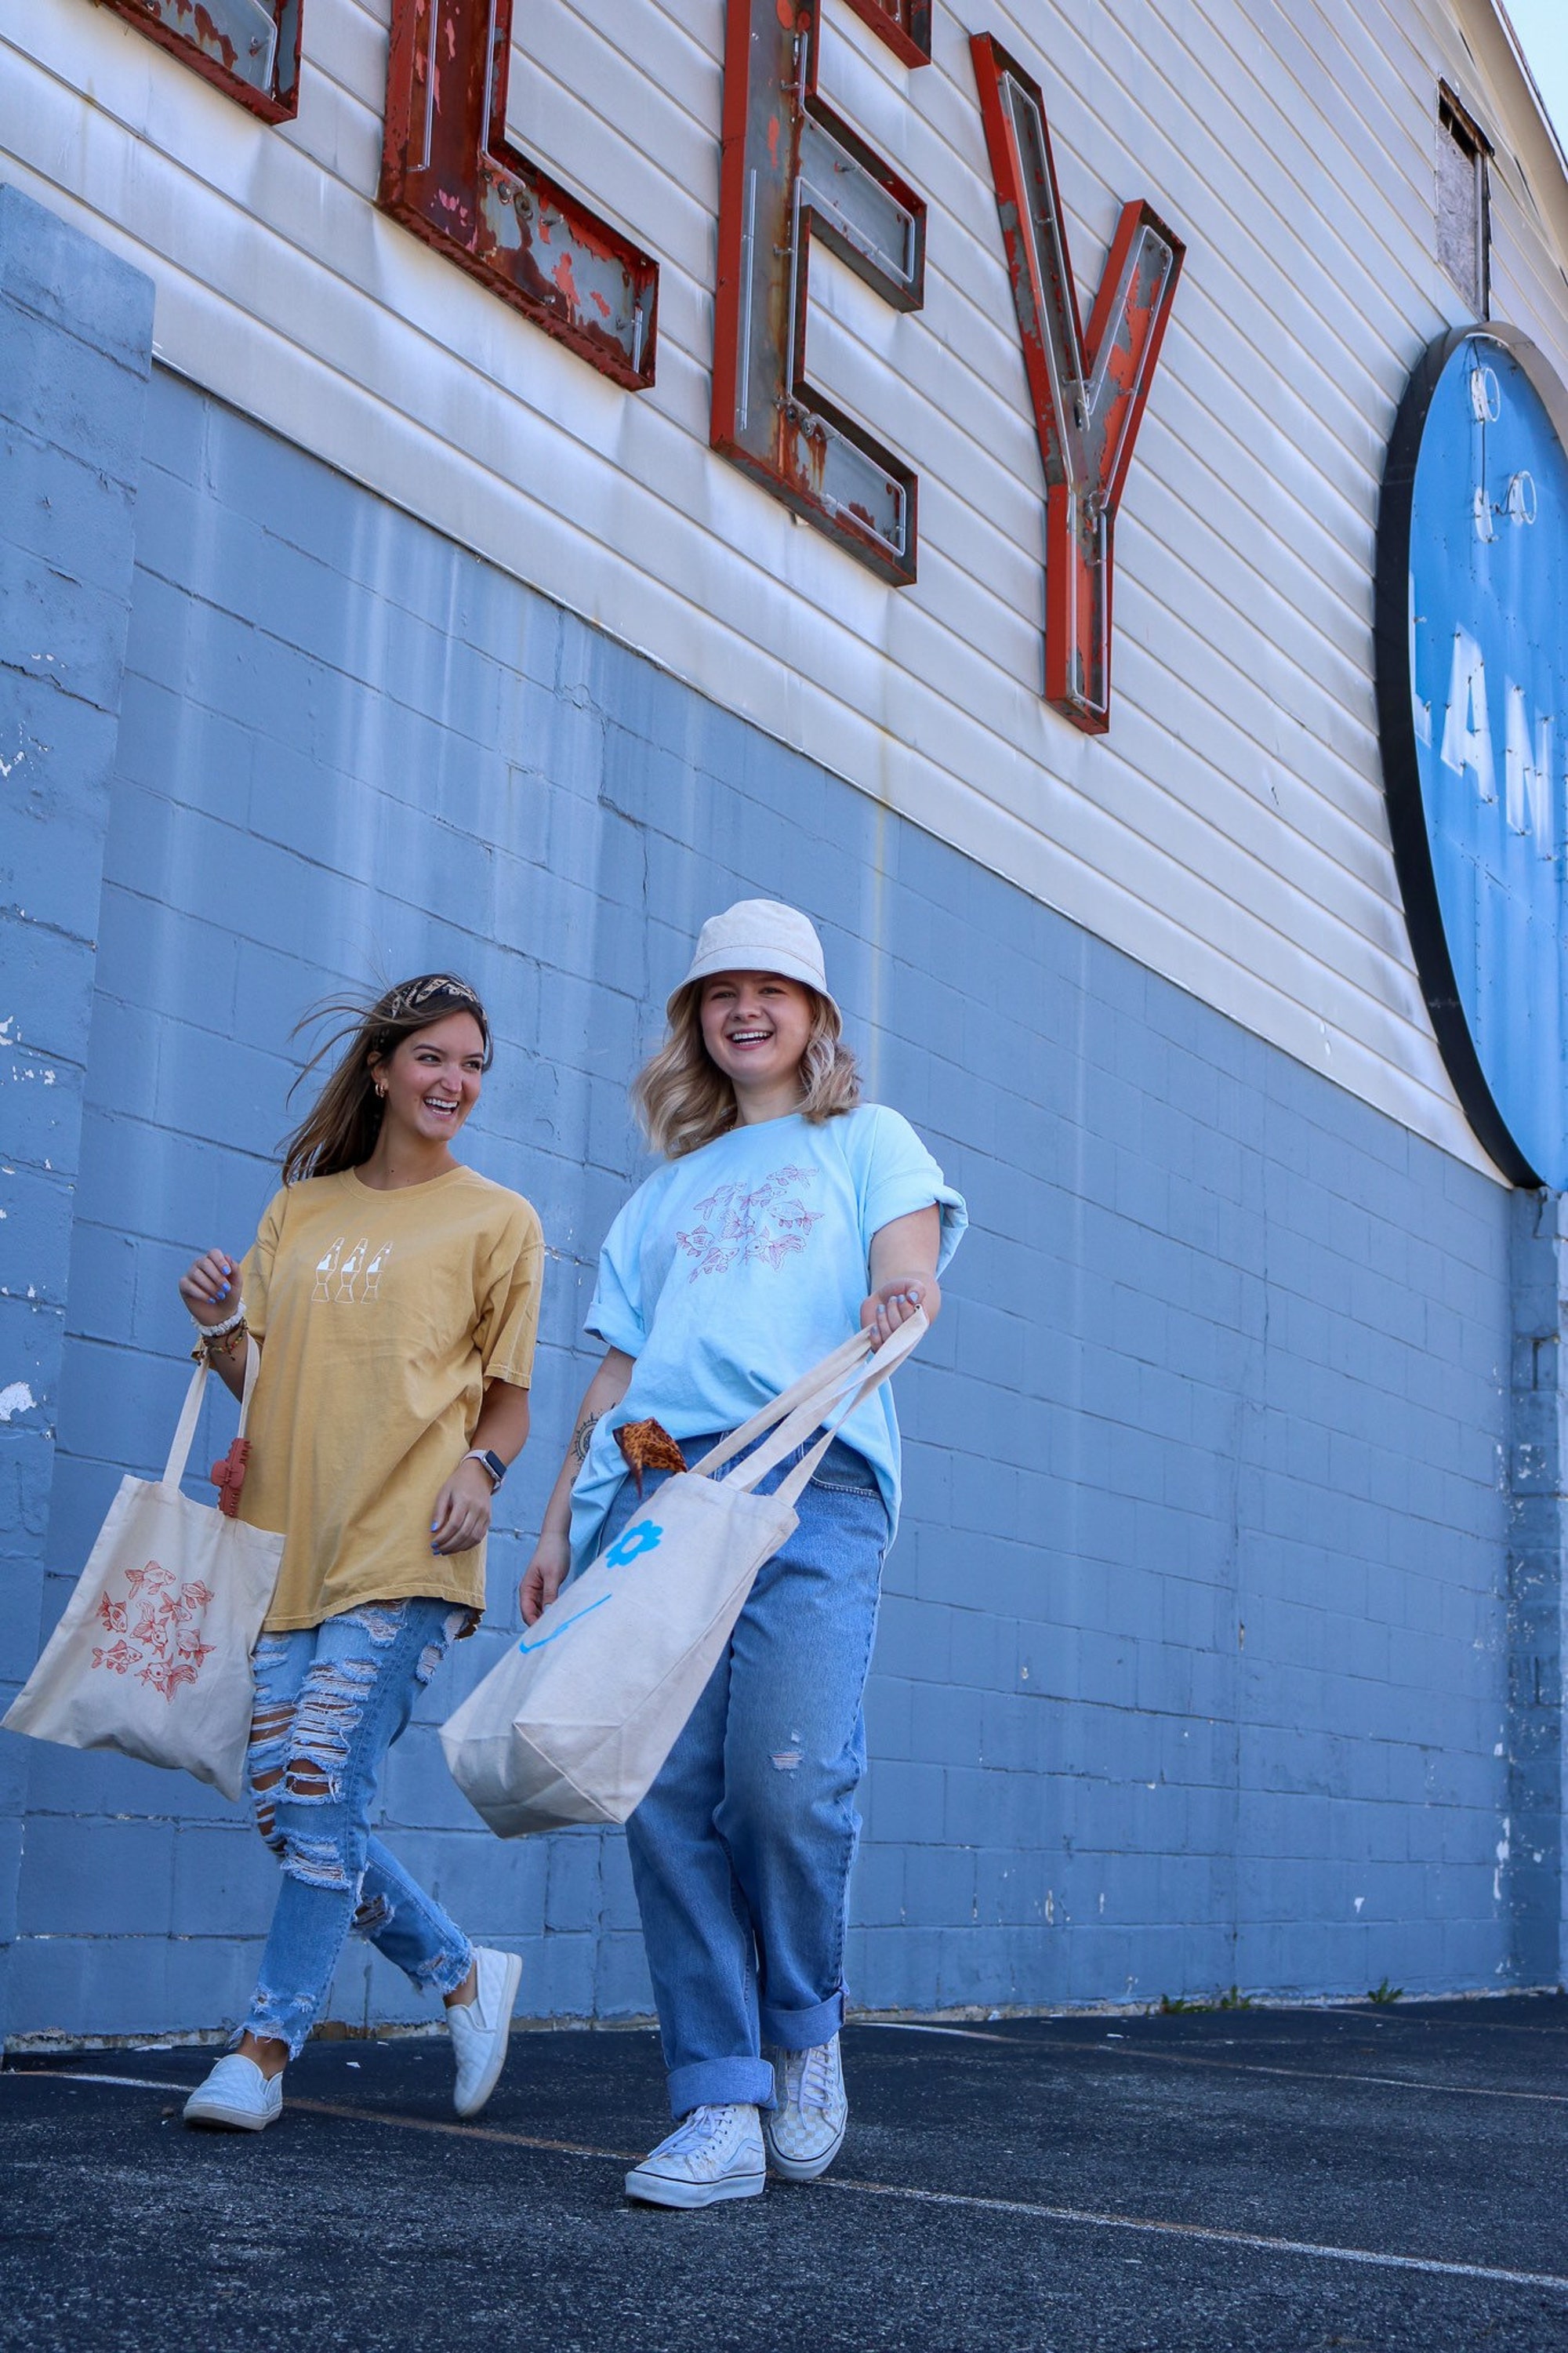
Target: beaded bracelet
{"points": [[206, 1350], [219, 1339]]}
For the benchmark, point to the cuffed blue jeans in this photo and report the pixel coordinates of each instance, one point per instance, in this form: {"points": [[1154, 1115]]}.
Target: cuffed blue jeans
{"points": [[330, 1702], [741, 1850]]}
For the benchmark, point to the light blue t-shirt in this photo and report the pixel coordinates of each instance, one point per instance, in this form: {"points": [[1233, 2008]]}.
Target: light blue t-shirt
{"points": [[733, 1271]]}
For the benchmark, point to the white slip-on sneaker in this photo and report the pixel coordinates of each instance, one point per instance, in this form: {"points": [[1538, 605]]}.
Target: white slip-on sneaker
{"points": [[806, 2132], [715, 2152], [237, 2097], [480, 2029]]}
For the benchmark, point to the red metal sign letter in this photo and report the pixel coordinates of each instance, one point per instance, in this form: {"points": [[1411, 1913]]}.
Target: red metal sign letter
{"points": [[250, 48], [1089, 392], [794, 171], [450, 173]]}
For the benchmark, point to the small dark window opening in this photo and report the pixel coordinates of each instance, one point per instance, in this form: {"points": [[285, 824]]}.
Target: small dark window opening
{"points": [[1464, 235]]}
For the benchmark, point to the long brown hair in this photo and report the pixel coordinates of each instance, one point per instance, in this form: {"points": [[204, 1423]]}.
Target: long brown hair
{"points": [[341, 1128], [683, 1100]]}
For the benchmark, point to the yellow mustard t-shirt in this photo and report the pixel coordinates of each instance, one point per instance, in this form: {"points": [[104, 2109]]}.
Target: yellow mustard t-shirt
{"points": [[383, 1316]]}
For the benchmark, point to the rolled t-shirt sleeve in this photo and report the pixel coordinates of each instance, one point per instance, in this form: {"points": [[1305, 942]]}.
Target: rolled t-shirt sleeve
{"points": [[256, 1267], [508, 1308], [899, 1177], [615, 1314]]}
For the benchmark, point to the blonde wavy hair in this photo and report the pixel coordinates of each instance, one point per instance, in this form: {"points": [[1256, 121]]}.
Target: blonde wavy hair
{"points": [[683, 1100]]}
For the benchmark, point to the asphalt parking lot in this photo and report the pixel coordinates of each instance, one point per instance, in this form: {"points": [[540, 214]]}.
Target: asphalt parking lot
{"points": [[1366, 2179]]}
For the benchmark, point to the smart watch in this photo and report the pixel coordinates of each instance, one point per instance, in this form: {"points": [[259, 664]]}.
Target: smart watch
{"points": [[491, 1461]]}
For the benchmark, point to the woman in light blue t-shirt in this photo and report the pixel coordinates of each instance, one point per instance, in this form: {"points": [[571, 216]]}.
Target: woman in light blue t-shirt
{"points": [[785, 1213]]}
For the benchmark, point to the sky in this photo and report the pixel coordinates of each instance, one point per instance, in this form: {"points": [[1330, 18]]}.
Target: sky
{"points": [[1542, 29]]}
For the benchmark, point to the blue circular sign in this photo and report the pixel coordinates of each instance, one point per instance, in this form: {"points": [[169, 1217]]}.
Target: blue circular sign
{"points": [[1472, 674]]}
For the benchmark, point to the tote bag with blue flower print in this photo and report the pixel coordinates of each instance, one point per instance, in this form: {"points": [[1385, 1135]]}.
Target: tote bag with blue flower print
{"points": [[573, 1721]]}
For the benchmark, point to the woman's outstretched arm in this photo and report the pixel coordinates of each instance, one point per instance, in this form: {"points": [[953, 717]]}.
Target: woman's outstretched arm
{"points": [[546, 1572]]}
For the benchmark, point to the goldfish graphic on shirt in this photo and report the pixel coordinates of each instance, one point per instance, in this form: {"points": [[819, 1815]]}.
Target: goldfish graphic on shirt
{"points": [[737, 1224]]}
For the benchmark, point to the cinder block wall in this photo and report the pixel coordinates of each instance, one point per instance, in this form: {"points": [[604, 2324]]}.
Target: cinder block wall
{"points": [[1192, 1662], [75, 341]]}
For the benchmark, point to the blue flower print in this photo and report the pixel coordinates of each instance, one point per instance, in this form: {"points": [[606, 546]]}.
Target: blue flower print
{"points": [[634, 1544]]}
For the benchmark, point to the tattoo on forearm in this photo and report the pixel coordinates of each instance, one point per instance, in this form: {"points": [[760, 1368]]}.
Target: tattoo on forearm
{"points": [[582, 1438]]}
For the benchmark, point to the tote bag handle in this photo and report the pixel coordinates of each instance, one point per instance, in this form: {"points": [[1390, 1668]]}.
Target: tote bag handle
{"points": [[845, 1379], [820, 1383], [882, 1366], [185, 1428]]}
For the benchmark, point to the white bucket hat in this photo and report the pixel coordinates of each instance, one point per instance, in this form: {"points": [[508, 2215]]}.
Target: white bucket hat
{"points": [[761, 936]]}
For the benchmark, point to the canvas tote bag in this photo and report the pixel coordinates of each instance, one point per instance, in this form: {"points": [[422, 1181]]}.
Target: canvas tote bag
{"points": [[573, 1722], [153, 1655]]}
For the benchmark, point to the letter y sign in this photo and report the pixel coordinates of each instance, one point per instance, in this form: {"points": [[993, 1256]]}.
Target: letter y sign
{"points": [[1089, 392]]}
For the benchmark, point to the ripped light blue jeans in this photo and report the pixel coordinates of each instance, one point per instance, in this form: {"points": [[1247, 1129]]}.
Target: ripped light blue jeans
{"points": [[741, 1850], [330, 1702]]}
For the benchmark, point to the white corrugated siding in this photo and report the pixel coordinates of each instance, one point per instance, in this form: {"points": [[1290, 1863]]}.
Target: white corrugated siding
{"points": [[1230, 831]]}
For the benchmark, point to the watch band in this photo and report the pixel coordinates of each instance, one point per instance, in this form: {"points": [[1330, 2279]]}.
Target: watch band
{"points": [[491, 1461]]}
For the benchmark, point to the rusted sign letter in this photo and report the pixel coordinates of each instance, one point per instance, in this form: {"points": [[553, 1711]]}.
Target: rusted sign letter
{"points": [[250, 48], [793, 172], [448, 173], [1089, 392]]}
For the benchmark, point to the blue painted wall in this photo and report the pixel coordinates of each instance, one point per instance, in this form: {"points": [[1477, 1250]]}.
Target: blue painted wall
{"points": [[1192, 1667], [76, 331]]}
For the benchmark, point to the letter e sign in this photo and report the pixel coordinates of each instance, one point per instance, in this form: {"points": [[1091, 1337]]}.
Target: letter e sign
{"points": [[795, 173]]}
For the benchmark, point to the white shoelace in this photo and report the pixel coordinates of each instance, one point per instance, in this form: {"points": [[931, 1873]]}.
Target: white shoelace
{"points": [[698, 2135], [809, 2083]]}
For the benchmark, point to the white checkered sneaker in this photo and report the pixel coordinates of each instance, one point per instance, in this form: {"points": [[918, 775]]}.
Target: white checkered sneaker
{"points": [[806, 2131]]}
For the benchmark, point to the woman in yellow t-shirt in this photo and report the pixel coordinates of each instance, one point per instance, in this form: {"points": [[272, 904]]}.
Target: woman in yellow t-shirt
{"points": [[394, 1296]]}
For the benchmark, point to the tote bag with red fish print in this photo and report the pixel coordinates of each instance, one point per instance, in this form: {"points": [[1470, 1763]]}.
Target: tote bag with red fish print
{"points": [[153, 1654]]}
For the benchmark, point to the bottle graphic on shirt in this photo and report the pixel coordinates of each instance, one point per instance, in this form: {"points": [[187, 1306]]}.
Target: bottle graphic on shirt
{"points": [[326, 1267], [351, 1267], [372, 1275]]}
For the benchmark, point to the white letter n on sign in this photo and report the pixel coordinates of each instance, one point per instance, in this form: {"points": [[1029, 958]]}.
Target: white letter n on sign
{"points": [[1527, 772], [1089, 392]]}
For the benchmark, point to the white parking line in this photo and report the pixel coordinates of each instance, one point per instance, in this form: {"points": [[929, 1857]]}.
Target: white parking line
{"points": [[1330, 2076], [1126, 2050], [1255, 2239], [959, 2034], [70, 2075], [1079, 2216]]}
